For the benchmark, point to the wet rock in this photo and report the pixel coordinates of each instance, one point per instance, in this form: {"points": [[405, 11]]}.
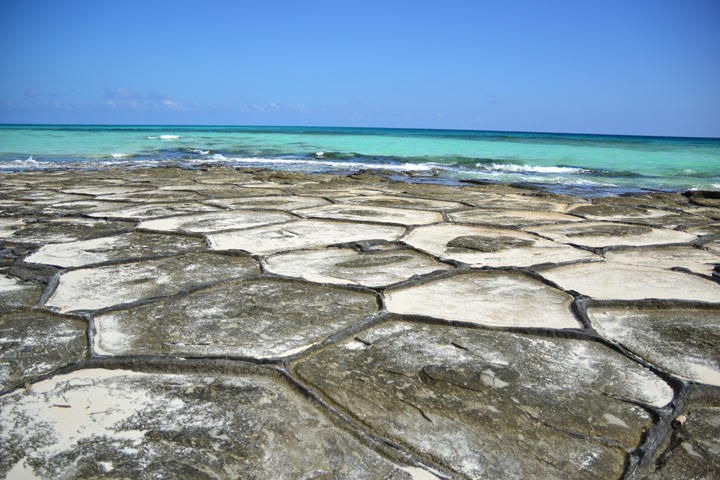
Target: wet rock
{"points": [[347, 266], [692, 450], [122, 424], [60, 230], [144, 212], [600, 234], [705, 199], [257, 318], [400, 202], [9, 225], [491, 404], [507, 247], [101, 287], [710, 229], [117, 247], [486, 298], [216, 221], [625, 282], [684, 341], [270, 202], [16, 293], [361, 213], [510, 217], [300, 235], [693, 259], [34, 343]]}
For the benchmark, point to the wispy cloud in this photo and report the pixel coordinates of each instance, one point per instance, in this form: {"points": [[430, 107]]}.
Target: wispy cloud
{"points": [[32, 92], [130, 95]]}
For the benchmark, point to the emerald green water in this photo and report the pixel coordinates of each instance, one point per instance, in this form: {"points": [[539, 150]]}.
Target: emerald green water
{"points": [[565, 159]]}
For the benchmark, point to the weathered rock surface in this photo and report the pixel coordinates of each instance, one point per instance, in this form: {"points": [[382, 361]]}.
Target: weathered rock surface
{"points": [[118, 247], [497, 299], [270, 202], [684, 341], [509, 218], [59, 230], [122, 424], [33, 343], [694, 259], [482, 246], [216, 221], [301, 234], [400, 202], [491, 404], [258, 318], [603, 280], [600, 234], [16, 293], [153, 210], [362, 213], [101, 287], [347, 266], [519, 202]]}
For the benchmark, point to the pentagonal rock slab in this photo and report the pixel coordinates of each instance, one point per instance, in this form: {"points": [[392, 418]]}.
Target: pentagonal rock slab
{"points": [[301, 234], [692, 448], [510, 217], [624, 282], [684, 341], [694, 259], [216, 221], [361, 213], [122, 424], [647, 216], [257, 318], [479, 247], [497, 299], [143, 212], [347, 266], [61, 230], [16, 293], [491, 404], [270, 202], [35, 343], [101, 287], [118, 247], [601, 234], [400, 202]]}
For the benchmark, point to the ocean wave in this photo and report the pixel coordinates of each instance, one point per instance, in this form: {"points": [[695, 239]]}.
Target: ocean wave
{"points": [[26, 164], [120, 155], [530, 168], [165, 137], [317, 163]]}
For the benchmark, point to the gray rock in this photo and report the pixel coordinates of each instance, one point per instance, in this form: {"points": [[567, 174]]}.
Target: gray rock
{"points": [[16, 293]]}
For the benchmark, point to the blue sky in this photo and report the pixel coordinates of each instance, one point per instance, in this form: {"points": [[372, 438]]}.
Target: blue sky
{"points": [[639, 67]]}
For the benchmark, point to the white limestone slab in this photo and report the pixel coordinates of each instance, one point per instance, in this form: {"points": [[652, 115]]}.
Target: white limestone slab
{"points": [[301, 234], [152, 196], [434, 239], [602, 234], [694, 259], [147, 211], [361, 213], [105, 189], [510, 218], [400, 202], [520, 202], [603, 280], [487, 298], [347, 266], [270, 202], [216, 221], [619, 213], [9, 225]]}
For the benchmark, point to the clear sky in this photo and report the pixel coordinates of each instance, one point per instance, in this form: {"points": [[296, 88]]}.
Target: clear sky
{"points": [[627, 67]]}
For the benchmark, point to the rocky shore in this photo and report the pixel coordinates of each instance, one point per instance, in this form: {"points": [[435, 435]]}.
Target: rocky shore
{"points": [[235, 323]]}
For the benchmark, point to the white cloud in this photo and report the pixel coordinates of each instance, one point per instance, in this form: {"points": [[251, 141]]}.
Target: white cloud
{"points": [[112, 104]]}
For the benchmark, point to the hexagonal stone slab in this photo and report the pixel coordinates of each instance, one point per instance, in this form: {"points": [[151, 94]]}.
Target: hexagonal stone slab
{"points": [[479, 246], [519, 202], [122, 424], [694, 259], [34, 343], [400, 202], [223, 190], [684, 341], [619, 213], [362, 213], [347, 266], [270, 202], [118, 247], [300, 235], [143, 212], [510, 217], [216, 221], [625, 282], [692, 449], [101, 287], [486, 298], [491, 404], [152, 196], [16, 293], [601, 234], [259, 318], [61, 230]]}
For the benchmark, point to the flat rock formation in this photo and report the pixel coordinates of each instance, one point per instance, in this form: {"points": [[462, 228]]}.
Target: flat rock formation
{"points": [[245, 323]]}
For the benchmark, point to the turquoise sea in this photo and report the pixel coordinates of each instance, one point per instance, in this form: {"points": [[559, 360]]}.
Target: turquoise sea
{"points": [[602, 163]]}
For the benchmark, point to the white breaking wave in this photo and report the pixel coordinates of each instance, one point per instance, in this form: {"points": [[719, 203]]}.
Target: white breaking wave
{"points": [[120, 155], [405, 167], [165, 137], [197, 150], [529, 168]]}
